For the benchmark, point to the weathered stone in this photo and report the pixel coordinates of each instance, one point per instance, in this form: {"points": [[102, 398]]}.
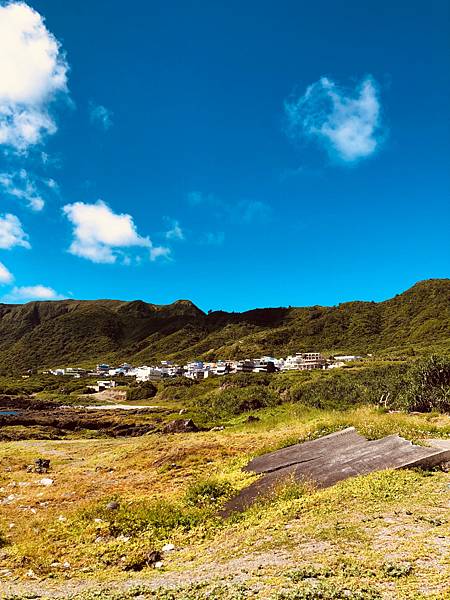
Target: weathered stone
{"points": [[41, 465], [151, 559], [46, 481], [180, 426]]}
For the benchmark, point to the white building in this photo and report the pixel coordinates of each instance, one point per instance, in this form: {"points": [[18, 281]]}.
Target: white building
{"points": [[304, 361]]}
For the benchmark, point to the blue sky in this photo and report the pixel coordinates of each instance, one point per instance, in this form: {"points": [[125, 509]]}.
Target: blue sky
{"points": [[239, 154]]}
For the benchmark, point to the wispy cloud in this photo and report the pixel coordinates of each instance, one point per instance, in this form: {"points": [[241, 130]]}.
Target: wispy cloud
{"points": [[100, 116], [252, 211], [11, 233], [346, 122], [26, 187], [175, 232], [243, 212], [101, 235], [159, 252], [32, 292], [33, 72], [197, 198], [212, 238], [5, 275]]}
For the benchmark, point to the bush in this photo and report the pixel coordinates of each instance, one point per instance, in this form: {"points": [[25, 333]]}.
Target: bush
{"points": [[343, 388], [208, 492], [142, 392], [234, 401], [158, 518], [242, 380], [428, 385], [171, 382]]}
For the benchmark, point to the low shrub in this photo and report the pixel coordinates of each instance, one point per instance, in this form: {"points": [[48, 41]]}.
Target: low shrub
{"points": [[208, 492], [398, 569], [242, 380], [158, 518], [313, 589], [230, 402]]}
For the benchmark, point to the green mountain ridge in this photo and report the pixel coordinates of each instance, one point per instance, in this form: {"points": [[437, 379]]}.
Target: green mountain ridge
{"points": [[63, 332]]}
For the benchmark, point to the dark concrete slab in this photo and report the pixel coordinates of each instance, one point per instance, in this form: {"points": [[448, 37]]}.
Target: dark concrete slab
{"points": [[332, 458]]}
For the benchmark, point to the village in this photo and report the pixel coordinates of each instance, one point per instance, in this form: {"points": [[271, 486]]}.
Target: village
{"points": [[197, 370]]}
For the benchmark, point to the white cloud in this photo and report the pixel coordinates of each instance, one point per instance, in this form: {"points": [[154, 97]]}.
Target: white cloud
{"points": [[5, 275], [100, 115], [99, 234], [33, 70], [158, 252], [11, 233], [24, 186], [175, 232], [346, 122], [32, 292]]}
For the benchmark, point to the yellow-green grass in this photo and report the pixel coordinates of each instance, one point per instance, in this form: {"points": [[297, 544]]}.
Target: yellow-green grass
{"points": [[388, 531]]}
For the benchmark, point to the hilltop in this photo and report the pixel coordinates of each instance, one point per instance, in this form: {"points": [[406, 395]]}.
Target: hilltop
{"points": [[51, 333]]}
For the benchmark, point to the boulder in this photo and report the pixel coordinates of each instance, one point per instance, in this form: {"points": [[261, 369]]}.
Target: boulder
{"points": [[180, 426]]}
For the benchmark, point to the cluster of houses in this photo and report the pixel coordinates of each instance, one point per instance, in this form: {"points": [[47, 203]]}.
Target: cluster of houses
{"points": [[303, 361]]}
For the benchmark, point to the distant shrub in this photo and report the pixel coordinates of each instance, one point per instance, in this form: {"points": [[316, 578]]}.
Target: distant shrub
{"points": [[241, 380], [234, 401], [143, 391], [174, 382]]}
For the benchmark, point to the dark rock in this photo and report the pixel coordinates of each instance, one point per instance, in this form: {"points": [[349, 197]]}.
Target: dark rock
{"points": [[180, 426], [137, 563], [41, 465], [112, 505]]}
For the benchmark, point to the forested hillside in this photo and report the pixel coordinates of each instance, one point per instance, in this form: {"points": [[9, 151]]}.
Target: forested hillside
{"points": [[43, 334]]}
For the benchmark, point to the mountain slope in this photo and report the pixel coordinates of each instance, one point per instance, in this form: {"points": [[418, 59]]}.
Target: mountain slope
{"points": [[40, 334]]}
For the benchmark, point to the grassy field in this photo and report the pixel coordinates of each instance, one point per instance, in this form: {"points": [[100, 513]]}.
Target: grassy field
{"points": [[385, 535]]}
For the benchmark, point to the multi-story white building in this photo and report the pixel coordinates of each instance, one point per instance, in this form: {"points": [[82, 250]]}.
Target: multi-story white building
{"points": [[304, 361]]}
